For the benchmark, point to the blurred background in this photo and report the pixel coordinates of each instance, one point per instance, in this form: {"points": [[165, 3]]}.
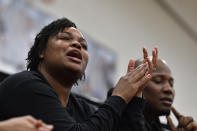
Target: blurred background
{"points": [[116, 31]]}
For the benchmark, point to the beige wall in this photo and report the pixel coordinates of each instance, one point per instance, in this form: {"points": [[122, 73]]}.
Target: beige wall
{"points": [[127, 25]]}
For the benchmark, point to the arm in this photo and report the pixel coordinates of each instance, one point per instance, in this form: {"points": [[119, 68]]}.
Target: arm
{"points": [[40, 100], [133, 117], [36, 97]]}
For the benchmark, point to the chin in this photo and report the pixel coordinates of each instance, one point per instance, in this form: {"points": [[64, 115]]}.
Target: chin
{"points": [[74, 67], [164, 111], [78, 73]]}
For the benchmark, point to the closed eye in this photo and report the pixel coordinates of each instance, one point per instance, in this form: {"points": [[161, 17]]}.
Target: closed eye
{"points": [[171, 82], [84, 46], [157, 79], [65, 38]]}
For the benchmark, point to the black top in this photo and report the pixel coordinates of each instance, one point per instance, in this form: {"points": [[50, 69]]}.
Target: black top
{"points": [[133, 118], [156, 125], [28, 93]]}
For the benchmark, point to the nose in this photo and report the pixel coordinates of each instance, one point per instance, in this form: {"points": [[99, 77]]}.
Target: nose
{"points": [[76, 45], [167, 88]]}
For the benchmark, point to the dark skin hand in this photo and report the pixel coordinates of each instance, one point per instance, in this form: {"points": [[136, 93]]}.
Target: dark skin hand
{"points": [[152, 65], [129, 85], [154, 59], [185, 123]]}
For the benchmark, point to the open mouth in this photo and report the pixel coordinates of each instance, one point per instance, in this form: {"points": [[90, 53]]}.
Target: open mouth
{"points": [[75, 56], [167, 101]]}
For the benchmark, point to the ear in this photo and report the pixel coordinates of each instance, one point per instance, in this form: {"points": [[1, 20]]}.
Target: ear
{"points": [[41, 55]]}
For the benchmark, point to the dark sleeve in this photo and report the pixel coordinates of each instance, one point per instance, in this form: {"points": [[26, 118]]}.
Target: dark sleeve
{"points": [[39, 99], [133, 118]]}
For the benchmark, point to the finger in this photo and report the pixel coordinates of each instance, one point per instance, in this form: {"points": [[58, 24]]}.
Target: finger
{"points": [[141, 84], [184, 121], [45, 127], [156, 48], [150, 65], [138, 74], [155, 56], [176, 113], [142, 81], [50, 127], [170, 123], [31, 119], [131, 65], [145, 53], [39, 123], [138, 69], [191, 126]]}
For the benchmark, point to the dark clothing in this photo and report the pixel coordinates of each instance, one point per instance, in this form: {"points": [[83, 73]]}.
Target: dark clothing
{"points": [[134, 119], [156, 126], [28, 93]]}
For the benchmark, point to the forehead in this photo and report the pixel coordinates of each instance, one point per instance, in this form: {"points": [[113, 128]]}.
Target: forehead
{"points": [[73, 31], [162, 68]]}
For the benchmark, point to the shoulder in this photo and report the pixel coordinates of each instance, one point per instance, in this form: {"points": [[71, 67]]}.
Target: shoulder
{"points": [[23, 76], [25, 81], [26, 86]]}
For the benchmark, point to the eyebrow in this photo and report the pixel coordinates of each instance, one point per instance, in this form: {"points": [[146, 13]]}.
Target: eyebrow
{"points": [[70, 34]]}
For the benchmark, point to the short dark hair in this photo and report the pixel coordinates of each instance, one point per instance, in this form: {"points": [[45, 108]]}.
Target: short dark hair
{"points": [[40, 43]]}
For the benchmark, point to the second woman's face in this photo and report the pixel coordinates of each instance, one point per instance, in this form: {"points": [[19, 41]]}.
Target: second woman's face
{"points": [[66, 51]]}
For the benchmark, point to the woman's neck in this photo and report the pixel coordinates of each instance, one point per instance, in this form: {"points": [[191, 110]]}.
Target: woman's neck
{"points": [[61, 86]]}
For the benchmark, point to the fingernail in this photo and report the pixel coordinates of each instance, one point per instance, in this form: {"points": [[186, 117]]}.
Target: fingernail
{"points": [[50, 126]]}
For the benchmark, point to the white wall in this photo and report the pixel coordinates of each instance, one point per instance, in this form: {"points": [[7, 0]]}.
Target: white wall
{"points": [[126, 26]]}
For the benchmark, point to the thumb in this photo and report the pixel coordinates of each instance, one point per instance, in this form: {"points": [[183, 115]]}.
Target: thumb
{"points": [[131, 65]]}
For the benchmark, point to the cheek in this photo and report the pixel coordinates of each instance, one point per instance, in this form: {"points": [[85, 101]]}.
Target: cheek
{"points": [[86, 58], [151, 91]]}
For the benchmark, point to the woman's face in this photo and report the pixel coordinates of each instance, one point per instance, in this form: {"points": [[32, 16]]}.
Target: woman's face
{"points": [[66, 51]]}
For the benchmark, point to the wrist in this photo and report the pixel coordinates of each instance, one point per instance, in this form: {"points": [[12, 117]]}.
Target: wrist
{"points": [[122, 97]]}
